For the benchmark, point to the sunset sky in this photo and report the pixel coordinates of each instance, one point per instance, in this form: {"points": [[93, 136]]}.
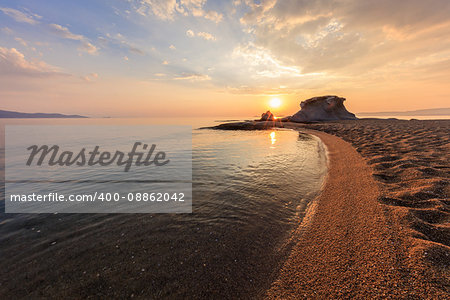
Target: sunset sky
{"points": [[221, 58]]}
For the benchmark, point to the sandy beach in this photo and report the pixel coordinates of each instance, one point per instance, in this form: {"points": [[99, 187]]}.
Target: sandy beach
{"points": [[380, 227]]}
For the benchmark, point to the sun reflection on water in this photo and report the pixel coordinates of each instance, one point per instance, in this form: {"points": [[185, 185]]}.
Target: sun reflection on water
{"points": [[273, 137]]}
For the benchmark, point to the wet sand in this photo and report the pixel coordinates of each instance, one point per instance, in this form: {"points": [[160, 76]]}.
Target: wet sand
{"points": [[380, 227]]}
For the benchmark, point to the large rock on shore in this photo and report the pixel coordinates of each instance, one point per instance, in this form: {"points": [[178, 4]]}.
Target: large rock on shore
{"points": [[324, 108]]}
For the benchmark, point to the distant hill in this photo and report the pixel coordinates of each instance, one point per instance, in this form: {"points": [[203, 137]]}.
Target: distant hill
{"points": [[21, 115], [419, 112]]}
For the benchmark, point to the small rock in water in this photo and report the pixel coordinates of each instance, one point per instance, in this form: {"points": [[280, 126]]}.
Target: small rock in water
{"points": [[267, 116]]}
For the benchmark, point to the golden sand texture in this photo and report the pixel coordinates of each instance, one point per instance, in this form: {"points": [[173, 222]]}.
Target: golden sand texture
{"points": [[360, 244], [411, 164]]}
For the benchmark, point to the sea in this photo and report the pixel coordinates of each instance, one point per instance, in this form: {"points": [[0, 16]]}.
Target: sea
{"points": [[251, 190]]}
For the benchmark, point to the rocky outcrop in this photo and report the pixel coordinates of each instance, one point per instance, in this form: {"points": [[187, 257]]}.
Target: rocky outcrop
{"points": [[324, 108], [248, 125], [267, 116]]}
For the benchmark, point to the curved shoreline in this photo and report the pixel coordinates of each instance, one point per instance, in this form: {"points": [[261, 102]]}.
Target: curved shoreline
{"points": [[353, 246]]}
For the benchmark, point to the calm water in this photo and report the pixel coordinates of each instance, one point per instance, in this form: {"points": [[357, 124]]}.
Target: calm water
{"points": [[249, 191], [405, 117]]}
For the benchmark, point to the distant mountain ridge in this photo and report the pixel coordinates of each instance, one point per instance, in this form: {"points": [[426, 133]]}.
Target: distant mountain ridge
{"points": [[21, 115], [419, 112]]}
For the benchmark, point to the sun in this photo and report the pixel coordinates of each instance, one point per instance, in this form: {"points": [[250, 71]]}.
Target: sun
{"points": [[275, 102]]}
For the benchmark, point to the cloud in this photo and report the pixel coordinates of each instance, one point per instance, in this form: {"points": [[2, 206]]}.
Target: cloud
{"points": [[163, 9], [330, 35], [192, 77], [342, 45], [313, 42], [185, 76], [261, 63], [259, 90], [61, 31], [213, 16], [88, 48], [90, 77], [20, 16], [24, 43], [168, 9], [13, 63], [21, 41], [120, 40], [190, 33], [7, 30], [204, 35], [65, 33]]}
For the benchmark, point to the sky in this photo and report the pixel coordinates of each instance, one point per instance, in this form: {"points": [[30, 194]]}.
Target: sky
{"points": [[189, 58]]}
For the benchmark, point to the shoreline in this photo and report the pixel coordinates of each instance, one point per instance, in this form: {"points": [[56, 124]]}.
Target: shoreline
{"points": [[353, 246], [327, 260], [376, 229]]}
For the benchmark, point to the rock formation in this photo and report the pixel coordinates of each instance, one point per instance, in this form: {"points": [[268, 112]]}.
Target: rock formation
{"points": [[267, 116], [324, 108]]}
